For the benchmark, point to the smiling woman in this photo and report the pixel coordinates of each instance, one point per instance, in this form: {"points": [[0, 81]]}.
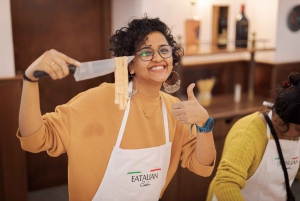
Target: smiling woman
{"points": [[139, 149], [151, 69]]}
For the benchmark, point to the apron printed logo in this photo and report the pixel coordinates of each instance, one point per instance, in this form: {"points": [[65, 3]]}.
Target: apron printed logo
{"points": [[288, 163], [144, 177]]}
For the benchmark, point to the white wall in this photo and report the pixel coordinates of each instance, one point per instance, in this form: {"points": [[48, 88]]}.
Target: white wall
{"points": [[262, 15], [7, 66], [122, 11], [287, 42], [267, 18]]}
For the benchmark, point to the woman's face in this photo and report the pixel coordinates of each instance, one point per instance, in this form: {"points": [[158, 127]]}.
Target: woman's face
{"points": [[157, 70], [293, 132]]}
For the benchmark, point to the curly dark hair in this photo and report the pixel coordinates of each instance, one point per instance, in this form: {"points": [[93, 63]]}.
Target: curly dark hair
{"points": [[127, 40], [287, 103]]}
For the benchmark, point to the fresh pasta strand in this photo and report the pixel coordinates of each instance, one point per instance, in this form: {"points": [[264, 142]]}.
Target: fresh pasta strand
{"points": [[121, 105], [125, 80], [125, 76], [121, 82], [117, 82], [121, 76]]}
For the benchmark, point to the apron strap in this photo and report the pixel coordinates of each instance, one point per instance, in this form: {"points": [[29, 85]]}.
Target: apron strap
{"points": [[165, 116], [268, 127], [290, 196]]}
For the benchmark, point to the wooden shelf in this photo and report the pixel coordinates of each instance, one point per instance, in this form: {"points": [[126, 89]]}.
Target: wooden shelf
{"points": [[5, 79], [229, 50]]}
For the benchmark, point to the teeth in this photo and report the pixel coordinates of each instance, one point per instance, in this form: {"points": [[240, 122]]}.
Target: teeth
{"points": [[157, 68]]}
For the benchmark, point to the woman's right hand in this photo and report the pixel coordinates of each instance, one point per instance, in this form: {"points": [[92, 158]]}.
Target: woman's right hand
{"points": [[54, 63]]}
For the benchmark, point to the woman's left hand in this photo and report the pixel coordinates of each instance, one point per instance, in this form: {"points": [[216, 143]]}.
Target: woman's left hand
{"points": [[190, 111]]}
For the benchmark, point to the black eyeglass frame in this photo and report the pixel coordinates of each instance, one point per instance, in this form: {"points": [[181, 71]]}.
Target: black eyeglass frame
{"points": [[153, 52]]}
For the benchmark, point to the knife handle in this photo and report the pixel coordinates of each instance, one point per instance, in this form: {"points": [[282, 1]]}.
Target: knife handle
{"points": [[38, 73]]}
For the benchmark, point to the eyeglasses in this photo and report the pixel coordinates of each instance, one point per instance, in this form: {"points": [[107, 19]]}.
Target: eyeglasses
{"points": [[146, 54]]}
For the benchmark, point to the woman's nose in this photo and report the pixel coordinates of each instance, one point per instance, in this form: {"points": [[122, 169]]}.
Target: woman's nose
{"points": [[156, 56]]}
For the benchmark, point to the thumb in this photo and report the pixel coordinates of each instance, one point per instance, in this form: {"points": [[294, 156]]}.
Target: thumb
{"points": [[190, 92]]}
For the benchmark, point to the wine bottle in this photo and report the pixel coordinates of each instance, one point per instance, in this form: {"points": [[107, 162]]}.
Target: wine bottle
{"points": [[241, 33], [222, 29]]}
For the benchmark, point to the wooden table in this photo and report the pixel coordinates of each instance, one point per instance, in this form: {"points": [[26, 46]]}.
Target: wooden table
{"points": [[223, 106]]}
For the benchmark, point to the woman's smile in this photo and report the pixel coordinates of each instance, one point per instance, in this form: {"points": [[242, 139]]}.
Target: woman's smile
{"points": [[157, 68]]}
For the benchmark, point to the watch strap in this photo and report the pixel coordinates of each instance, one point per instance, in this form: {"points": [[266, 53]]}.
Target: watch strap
{"points": [[203, 129]]}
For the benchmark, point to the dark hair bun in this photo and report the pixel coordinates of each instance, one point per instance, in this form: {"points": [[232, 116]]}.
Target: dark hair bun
{"points": [[287, 104], [294, 78]]}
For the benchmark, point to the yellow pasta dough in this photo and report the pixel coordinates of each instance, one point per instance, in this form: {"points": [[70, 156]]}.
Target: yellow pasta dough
{"points": [[121, 82]]}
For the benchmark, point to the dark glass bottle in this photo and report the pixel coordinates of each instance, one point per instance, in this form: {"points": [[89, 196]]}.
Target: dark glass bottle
{"points": [[241, 33], [222, 29]]}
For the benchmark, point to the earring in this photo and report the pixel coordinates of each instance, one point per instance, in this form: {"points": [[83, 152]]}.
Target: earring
{"points": [[133, 92], [172, 88]]}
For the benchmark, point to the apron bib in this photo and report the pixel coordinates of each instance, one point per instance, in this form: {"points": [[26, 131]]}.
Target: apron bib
{"points": [[135, 174], [267, 183]]}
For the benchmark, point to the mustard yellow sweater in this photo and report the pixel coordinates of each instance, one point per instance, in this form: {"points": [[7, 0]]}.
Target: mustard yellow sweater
{"points": [[86, 128], [243, 150]]}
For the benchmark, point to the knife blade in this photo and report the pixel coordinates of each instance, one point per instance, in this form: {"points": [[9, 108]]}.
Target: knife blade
{"points": [[89, 70]]}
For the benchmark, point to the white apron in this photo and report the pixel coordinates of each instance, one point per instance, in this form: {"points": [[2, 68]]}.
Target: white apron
{"points": [[135, 174], [267, 183]]}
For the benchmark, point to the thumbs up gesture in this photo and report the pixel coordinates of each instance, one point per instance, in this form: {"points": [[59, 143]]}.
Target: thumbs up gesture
{"points": [[190, 111]]}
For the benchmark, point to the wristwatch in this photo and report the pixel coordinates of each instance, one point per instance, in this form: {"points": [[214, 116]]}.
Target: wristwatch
{"points": [[208, 127]]}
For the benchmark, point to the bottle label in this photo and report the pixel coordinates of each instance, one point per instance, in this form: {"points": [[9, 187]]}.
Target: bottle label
{"points": [[244, 23], [222, 39]]}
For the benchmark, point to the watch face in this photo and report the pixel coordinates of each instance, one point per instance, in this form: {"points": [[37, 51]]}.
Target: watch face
{"points": [[211, 125]]}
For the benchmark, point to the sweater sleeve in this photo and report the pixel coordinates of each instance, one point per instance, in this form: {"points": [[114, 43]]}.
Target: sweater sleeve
{"points": [[233, 168], [53, 136], [188, 155]]}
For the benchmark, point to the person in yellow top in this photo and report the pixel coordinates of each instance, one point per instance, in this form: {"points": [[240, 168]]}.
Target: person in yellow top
{"points": [[115, 154], [250, 168]]}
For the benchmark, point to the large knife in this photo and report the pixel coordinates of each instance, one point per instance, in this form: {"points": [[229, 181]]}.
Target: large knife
{"points": [[89, 70]]}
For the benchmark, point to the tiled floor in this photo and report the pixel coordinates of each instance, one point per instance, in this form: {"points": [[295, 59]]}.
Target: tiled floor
{"points": [[60, 193]]}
